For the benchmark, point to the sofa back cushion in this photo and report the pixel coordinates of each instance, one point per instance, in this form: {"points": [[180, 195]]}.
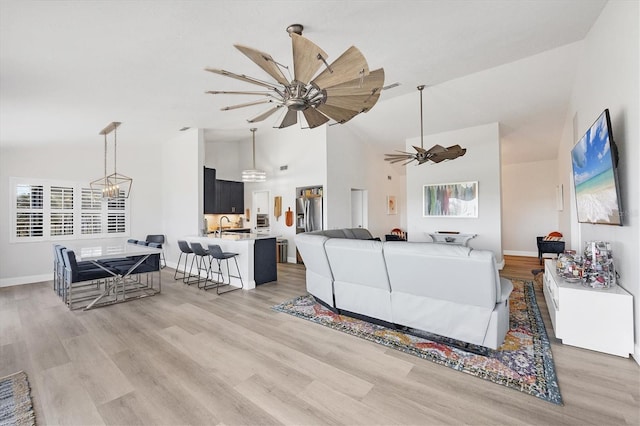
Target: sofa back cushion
{"points": [[446, 272], [334, 233], [358, 261], [361, 284], [358, 233], [311, 248]]}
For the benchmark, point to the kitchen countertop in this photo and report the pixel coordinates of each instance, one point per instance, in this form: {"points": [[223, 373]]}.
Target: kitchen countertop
{"points": [[239, 236]]}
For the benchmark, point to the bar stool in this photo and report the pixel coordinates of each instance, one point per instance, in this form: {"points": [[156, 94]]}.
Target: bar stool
{"points": [[216, 253], [186, 250], [200, 253]]}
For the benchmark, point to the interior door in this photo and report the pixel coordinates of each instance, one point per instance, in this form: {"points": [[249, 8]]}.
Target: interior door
{"points": [[359, 208]]}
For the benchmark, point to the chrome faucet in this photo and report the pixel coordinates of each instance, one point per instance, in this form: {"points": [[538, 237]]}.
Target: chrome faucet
{"points": [[220, 224]]}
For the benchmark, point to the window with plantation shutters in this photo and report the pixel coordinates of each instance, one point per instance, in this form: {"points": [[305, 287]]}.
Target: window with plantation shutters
{"points": [[29, 211], [46, 210], [115, 216], [61, 213], [90, 212]]}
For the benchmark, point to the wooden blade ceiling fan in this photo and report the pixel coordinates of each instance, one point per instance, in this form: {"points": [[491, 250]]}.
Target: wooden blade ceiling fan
{"points": [[435, 154], [344, 89]]}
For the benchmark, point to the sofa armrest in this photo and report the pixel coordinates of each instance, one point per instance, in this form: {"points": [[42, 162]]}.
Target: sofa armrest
{"points": [[506, 287]]}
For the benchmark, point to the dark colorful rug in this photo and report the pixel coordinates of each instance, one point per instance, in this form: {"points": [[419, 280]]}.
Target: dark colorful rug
{"points": [[524, 362], [15, 401]]}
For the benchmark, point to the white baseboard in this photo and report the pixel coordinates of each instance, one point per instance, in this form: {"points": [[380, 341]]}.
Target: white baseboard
{"points": [[636, 353], [8, 282], [520, 253]]}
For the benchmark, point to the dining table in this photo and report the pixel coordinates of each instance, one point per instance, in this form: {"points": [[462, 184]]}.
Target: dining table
{"points": [[125, 285]]}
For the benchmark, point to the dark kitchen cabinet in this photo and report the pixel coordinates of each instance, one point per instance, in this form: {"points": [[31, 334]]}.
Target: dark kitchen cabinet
{"points": [[209, 191], [229, 196]]}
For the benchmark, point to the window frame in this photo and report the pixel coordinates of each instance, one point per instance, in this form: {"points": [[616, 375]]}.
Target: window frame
{"points": [[77, 210]]}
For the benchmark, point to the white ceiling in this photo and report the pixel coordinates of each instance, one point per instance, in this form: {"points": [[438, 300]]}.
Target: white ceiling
{"points": [[68, 68]]}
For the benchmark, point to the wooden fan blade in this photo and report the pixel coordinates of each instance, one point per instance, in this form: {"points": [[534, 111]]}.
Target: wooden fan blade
{"points": [[340, 115], [435, 149], [265, 114], [369, 103], [450, 153], [314, 118], [290, 118], [305, 58], [242, 77], [224, 92], [353, 103], [262, 101], [368, 85], [399, 158], [349, 66], [264, 61]]}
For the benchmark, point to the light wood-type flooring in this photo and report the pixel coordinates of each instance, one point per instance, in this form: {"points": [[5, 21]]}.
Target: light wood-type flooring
{"points": [[191, 357]]}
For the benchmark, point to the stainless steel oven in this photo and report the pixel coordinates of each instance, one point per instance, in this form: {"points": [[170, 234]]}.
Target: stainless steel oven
{"points": [[262, 221]]}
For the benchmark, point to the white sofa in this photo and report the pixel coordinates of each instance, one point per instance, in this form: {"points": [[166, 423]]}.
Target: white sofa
{"points": [[450, 290]]}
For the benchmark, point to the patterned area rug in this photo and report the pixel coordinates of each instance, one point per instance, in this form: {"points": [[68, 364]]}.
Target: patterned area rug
{"points": [[524, 362], [15, 401]]}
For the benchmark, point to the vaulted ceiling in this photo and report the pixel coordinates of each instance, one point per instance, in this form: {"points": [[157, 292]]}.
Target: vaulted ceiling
{"points": [[67, 68]]}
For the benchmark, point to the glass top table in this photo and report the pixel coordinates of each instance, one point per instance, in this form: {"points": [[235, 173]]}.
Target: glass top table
{"points": [[123, 287], [452, 238]]}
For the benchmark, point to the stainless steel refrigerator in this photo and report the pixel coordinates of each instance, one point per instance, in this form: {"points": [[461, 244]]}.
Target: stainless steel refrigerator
{"points": [[309, 210]]}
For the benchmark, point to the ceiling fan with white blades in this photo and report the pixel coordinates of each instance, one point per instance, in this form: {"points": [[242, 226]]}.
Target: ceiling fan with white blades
{"points": [[435, 154], [342, 90]]}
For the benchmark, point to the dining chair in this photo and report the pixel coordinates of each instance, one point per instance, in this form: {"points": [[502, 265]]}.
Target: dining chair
{"points": [[158, 239], [81, 283]]}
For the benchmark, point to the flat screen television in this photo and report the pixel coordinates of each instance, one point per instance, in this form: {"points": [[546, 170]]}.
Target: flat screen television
{"points": [[595, 174]]}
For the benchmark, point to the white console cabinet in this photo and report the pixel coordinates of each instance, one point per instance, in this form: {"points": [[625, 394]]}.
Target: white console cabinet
{"points": [[596, 319]]}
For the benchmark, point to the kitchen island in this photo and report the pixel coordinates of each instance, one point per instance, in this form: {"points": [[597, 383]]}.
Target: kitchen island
{"points": [[256, 256]]}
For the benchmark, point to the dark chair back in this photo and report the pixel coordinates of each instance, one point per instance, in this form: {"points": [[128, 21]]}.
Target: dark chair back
{"points": [[198, 250], [154, 260], [184, 246], [70, 263], [156, 238], [215, 251]]}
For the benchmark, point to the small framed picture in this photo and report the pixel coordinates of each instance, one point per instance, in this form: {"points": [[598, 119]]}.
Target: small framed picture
{"points": [[392, 208]]}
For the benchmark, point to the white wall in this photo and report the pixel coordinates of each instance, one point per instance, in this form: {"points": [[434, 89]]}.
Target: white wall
{"points": [[529, 207], [229, 158], [183, 186], [608, 78], [32, 262], [355, 164], [481, 163]]}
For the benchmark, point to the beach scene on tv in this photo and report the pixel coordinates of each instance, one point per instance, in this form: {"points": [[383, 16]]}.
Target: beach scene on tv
{"points": [[593, 175]]}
